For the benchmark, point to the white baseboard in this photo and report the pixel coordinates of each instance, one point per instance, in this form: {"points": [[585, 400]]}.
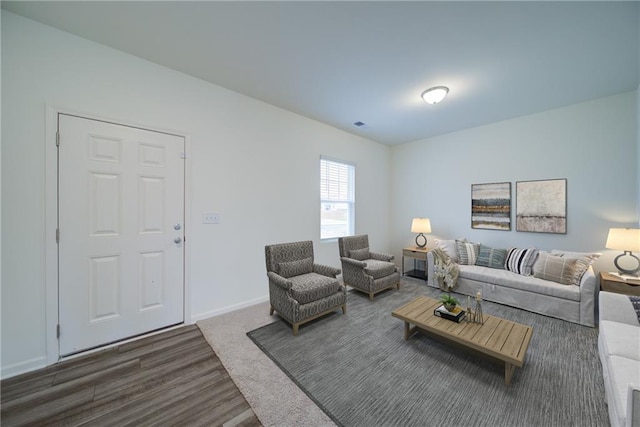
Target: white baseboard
{"points": [[23, 367], [229, 309]]}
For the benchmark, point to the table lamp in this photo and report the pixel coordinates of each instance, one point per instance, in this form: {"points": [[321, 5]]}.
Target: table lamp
{"points": [[421, 225], [626, 240]]}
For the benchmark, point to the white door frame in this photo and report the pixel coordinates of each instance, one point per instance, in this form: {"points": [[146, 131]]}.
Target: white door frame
{"points": [[51, 219]]}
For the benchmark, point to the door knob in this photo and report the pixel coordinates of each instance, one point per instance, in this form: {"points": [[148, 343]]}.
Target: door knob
{"points": [[177, 240], [177, 227]]}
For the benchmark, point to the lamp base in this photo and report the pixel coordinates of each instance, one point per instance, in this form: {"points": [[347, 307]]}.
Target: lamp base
{"points": [[423, 245], [624, 270]]}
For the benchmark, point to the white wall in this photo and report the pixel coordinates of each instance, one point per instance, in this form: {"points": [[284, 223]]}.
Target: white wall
{"points": [[255, 164], [592, 144]]}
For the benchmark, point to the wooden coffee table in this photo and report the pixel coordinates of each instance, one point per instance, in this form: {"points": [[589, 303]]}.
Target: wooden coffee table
{"points": [[499, 338]]}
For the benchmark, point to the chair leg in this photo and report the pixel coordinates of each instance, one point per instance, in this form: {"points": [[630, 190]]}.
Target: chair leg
{"points": [[271, 311], [295, 328]]}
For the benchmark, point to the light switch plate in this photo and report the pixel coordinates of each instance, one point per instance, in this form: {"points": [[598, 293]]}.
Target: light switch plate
{"points": [[210, 218]]}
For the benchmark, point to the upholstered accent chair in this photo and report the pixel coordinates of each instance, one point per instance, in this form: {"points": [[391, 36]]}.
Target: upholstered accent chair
{"points": [[299, 289], [366, 271]]}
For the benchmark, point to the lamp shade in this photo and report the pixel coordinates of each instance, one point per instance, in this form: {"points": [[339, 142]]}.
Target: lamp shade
{"points": [[421, 225], [435, 94], [624, 239]]}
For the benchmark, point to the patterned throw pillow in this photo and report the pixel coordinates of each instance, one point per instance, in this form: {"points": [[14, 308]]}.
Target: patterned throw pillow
{"points": [[295, 268], [359, 254], [584, 260], [521, 260], [490, 257], [467, 252], [555, 268]]}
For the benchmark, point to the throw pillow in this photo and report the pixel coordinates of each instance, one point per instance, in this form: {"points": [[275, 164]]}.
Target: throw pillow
{"points": [[584, 261], [521, 260], [490, 257], [295, 268], [467, 252], [555, 268], [449, 248], [359, 254]]}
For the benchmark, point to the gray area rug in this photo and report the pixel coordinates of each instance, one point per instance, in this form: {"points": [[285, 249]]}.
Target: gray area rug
{"points": [[358, 368]]}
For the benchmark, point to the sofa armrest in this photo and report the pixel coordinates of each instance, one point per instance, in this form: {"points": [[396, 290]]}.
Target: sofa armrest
{"points": [[633, 405], [617, 308], [380, 256], [430, 269], [353, 262], [326, 270], [279, 280], [588, 287]]}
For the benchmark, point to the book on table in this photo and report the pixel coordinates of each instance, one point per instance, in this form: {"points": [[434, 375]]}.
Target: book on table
{"points": [[456, 315]]}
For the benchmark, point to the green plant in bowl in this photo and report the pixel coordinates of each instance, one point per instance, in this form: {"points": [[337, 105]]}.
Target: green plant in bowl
{"points": [[449, 302]]}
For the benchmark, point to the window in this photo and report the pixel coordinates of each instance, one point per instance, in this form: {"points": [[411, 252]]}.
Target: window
{"points": [[336, 198]]}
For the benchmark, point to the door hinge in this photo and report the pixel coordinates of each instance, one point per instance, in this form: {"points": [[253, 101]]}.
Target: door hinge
{"points": [[57, 139], [57, 235], [183, 155], [58, 330]]}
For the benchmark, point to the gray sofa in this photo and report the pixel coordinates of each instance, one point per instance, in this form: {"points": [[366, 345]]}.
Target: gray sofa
{"points": [[619, 350], [568, 302]]}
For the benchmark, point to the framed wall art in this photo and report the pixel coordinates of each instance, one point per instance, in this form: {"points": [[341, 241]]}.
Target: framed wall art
{"points": [[491, 206], [541, 206]]}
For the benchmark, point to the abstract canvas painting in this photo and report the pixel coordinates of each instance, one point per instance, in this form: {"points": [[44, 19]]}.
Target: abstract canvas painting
{"points": [[491, 206], [541, 206]]}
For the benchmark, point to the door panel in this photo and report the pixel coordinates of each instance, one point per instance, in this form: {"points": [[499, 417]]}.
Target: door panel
{"points": [[121, 192]]}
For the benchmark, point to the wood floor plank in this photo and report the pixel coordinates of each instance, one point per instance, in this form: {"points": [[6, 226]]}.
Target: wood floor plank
{"points": [[166, 378]]}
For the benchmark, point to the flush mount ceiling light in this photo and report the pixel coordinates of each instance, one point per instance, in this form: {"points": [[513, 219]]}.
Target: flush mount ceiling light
{"points": [[435, 94]]}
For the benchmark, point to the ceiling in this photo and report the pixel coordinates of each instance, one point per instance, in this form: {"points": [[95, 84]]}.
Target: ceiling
{"points": [[343, 62]]}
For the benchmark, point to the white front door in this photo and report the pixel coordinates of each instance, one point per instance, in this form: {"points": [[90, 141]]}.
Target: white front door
{"points": [[121, 222]]}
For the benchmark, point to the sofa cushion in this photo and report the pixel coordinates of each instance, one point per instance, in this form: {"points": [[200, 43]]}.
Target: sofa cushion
{"points": [[467, 252], [620, 339], [521, 260], [295, 268], [517, 281], [379, 269], [584, 260], [490, 257], [622, 372], [359, 254], [311, 287], [449, 248], [555, 268]]}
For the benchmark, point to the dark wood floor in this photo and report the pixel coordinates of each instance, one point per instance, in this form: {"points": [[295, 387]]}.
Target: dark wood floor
{"points": [[173, 378]]}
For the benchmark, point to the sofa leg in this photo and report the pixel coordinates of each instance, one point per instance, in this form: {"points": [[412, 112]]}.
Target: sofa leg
{"points": [[344, 308], [271, 311], [398, 285], [295, 328], [370, 296]]}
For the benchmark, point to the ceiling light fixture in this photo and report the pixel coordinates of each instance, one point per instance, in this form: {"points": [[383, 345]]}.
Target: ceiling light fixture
{"points": [[435, 94]]}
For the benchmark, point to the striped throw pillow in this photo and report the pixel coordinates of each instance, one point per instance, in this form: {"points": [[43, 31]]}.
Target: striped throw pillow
{"points": [[467, 252], [490, 257], [521, 260]]}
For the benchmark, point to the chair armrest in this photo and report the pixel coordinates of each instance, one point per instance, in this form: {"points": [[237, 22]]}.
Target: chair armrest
{"points": [[326, 270], [380, 256], [353, 262], [279, 280]]}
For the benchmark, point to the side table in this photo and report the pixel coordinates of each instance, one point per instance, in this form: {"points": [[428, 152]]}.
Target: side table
{"points": [[417, 254], [612, 283]]}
